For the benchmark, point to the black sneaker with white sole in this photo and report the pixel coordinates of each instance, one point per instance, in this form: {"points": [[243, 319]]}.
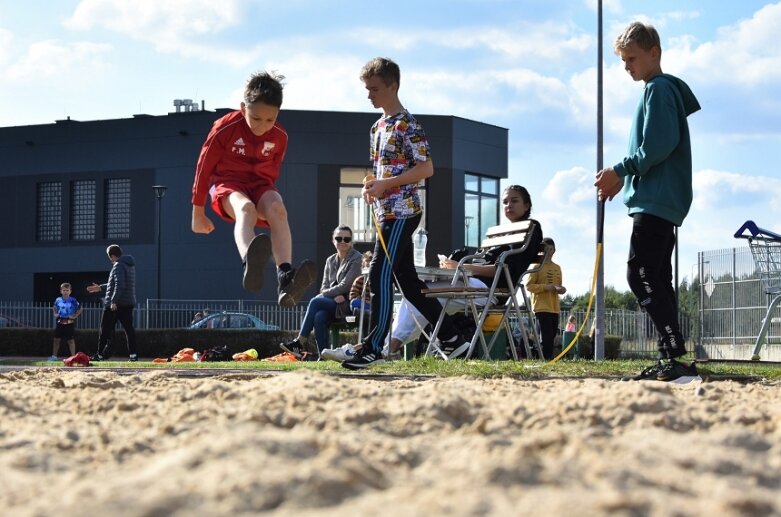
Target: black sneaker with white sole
{"points": [[648, 374], [255, 262], [293, 284], [363, 360], [295, 348], [454, 349], [678, 373]]}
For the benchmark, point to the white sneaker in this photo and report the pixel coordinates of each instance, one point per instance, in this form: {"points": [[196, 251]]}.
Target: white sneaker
{"points": [[341, 354], [390, 356], [53, 358]]}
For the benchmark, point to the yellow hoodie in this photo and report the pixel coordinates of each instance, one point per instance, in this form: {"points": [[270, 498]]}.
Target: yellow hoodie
{"points": [[542, 300]]}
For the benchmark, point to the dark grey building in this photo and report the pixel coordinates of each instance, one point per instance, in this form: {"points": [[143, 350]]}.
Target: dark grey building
{"points": [[71, 188]]}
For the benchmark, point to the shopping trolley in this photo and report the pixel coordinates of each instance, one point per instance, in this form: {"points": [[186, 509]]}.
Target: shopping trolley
{"points": [[766, 249]]}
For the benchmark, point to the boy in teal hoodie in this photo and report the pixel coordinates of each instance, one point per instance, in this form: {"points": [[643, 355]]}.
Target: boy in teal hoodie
{"points": [[656, 180]]}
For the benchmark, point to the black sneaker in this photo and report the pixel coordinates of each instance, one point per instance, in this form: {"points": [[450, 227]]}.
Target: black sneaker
{"points": [[363, 360], [648, 374], [453, 349], [133, 358], [295, 348], [97, 357], [678, 373], [255, 261], [292, 285]]}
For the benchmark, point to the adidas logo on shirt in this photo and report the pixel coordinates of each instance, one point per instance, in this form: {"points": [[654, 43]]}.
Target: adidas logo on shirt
{"points": [[240, 141]]}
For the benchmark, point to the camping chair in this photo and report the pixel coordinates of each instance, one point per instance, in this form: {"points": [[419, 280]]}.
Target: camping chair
{"points": [[517, 300]]}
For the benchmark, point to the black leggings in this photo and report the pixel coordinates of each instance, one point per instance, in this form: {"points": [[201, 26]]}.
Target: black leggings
{"points": [[650, 275]]}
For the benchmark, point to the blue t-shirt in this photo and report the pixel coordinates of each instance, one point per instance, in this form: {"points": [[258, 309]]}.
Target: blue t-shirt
{"points": [[66, 309]]}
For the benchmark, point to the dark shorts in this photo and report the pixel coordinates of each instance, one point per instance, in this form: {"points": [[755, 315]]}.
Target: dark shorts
{"points": [[220, 191], [64, 331]]}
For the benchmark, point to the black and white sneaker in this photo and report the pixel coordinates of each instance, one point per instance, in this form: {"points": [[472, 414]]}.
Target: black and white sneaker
{"points": [[293, 284], [295, 348], [133, 358], [97, 357], [678, 373], [454, 348], [255, 261], [363, 360], [648, 374]]}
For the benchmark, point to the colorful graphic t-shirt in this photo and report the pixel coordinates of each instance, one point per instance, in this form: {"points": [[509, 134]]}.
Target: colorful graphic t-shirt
{"points": [[397, 144], [66, 309]]}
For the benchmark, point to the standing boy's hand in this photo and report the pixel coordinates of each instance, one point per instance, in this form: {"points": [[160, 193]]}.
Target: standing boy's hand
{"points": [[608, 184], [201, 223]]}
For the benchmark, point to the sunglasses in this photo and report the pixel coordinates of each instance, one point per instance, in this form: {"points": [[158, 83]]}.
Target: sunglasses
{"points": [[339, 238]]}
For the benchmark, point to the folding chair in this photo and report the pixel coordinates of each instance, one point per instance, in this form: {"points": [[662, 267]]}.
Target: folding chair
{"points": [[517, 300], [766, 249]]}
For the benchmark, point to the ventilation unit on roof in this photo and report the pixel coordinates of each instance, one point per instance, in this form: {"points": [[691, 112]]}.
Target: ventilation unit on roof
{"points": [[187, 105]]}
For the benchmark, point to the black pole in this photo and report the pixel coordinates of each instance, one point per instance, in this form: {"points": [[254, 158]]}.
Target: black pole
{"points": [[599, 310], [159, 193]]}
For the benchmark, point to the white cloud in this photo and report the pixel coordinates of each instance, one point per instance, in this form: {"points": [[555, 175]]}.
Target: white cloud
{"points": [[172, 26], [53, 59], [6, 41]]}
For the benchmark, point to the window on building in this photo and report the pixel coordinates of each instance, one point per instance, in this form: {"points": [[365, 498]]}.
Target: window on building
{"points": [[481, 209], [117, 208], [49, 208], [353, 210], [83, 206]]}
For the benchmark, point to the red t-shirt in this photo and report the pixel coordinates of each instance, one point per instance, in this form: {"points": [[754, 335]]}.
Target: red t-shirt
{"points": [[233, 153]]}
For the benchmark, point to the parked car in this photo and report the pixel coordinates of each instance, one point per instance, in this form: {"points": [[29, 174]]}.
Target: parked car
{"points": [[232, 320], [8, 321]]}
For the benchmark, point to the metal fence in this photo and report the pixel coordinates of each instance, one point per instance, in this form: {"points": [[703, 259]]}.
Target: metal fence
{"points": [[635, 328], [732, 306], [153, 313]]}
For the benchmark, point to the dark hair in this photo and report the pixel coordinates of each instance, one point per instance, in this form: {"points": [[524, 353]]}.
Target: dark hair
{"points": [[114, 251], [264, 87], [548, 240], [524, 195], [343, 228], [383, 68]]}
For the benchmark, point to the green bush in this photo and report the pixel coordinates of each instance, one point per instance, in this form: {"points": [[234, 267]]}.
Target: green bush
{"points": [[612, 347], [150, 343]]}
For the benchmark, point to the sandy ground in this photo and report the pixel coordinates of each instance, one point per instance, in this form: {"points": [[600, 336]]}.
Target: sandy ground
{"points": [[305, 443]]}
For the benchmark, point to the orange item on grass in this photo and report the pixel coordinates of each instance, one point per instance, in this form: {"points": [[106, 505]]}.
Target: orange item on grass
{"points": [[185, 355], [242, 356], [284, 357]]}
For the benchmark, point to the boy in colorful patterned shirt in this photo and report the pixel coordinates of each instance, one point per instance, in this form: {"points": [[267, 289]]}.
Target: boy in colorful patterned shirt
{"points": [[66, 309], [400, 158]]}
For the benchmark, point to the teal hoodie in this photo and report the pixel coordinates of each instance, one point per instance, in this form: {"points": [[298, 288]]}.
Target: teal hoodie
{"points": [[658, 171]]}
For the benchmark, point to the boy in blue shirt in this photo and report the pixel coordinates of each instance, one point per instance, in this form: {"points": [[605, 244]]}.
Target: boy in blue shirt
{"points": [[66, 309], [656, 180]]}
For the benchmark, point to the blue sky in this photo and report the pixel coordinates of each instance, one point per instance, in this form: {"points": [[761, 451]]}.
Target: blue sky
{"points": [[526, 65]]}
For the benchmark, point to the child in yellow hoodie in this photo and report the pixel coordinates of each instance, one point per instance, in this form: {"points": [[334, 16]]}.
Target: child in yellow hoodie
{"points": [[545, 288]]}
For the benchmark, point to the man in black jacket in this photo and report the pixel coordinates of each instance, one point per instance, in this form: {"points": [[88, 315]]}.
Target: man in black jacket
{"points": [[119, 301]]}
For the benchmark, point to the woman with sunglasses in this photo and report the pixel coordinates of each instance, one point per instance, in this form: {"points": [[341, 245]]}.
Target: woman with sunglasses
{"points": [[341, 269]]}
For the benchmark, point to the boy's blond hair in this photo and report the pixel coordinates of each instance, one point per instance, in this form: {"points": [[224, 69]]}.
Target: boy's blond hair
{"points": [[65, 285], [383, 68], [644, 36]]}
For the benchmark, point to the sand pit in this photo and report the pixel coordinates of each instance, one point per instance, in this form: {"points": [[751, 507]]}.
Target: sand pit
{"points": [[305, 443]]}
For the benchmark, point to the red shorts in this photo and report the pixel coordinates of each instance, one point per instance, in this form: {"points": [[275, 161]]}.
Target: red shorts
{"points": [[220, 191]]}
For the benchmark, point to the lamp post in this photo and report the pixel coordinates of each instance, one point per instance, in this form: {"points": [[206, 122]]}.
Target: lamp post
{"points": [[159, 193]]}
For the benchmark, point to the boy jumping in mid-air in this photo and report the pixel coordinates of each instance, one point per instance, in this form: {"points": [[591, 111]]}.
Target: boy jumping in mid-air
{"points": [[238, 166]]}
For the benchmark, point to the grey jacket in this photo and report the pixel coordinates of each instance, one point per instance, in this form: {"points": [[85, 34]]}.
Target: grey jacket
{"points": [[338, 277], [121, 285]]}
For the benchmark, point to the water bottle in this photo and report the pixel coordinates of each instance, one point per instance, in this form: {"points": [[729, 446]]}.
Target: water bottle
{"points": [[419, 240]]}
